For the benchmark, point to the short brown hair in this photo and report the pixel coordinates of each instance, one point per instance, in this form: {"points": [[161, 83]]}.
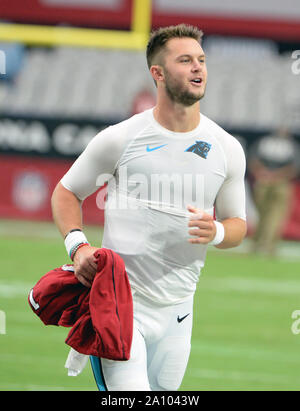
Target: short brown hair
{"points": [[159, 38]]}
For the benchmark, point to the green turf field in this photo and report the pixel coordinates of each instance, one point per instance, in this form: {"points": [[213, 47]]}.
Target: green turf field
{"points": [[242, 338]]}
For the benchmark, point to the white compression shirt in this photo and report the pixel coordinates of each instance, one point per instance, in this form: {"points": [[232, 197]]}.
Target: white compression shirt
{"points": [[153, 174]]}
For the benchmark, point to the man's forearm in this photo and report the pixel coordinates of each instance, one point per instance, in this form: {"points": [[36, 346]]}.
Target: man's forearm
{"points": [[66, 209], [235, 231]]}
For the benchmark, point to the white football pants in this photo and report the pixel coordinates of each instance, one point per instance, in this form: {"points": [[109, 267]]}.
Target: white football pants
{"points": [[159, 352]]}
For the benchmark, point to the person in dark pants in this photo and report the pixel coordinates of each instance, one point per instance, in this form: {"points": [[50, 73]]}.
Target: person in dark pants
{"points": [[273, 165]]}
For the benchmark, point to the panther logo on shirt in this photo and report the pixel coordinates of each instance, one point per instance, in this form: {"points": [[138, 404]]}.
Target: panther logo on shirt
{"points": [[201, 148]]}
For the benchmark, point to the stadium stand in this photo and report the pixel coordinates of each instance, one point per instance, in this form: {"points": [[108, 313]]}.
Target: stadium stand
{"points": [[250, 85], [77, 82]]}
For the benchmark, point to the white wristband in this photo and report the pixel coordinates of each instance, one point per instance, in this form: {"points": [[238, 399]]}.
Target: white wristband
{"points": [[73, 239], [220, 234]]}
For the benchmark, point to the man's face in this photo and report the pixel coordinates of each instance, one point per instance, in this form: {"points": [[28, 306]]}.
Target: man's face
{"points": [[185, 71]]}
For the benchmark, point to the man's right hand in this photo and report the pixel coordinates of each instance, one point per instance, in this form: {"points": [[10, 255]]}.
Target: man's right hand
{"points": [[85, 265]]}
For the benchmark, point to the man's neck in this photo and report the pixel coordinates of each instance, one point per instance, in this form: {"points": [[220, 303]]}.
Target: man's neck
{"points": [[176, 117]]}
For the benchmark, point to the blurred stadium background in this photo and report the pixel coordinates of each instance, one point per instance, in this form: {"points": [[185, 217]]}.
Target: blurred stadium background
{"points": [[69, 68]]}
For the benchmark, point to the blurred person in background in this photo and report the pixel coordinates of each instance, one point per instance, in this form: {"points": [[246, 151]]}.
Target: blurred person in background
{"points": [[273, 163]]}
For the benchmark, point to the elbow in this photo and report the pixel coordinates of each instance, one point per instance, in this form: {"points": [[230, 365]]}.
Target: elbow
{"points": [[235, 234], [243, 234], [238, 242]]}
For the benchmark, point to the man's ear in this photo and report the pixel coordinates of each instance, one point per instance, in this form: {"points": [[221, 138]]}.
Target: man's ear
{"points": [[157, 73]]}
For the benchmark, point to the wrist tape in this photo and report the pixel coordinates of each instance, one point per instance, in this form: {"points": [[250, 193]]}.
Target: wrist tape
{"points": [[220, 234], [73, 240]]}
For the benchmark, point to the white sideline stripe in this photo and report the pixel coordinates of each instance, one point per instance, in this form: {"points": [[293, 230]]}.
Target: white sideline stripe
{"points": [[254, 353], [226, 284], [240, 376], [287, 251], [248, 285], [14, 289]]}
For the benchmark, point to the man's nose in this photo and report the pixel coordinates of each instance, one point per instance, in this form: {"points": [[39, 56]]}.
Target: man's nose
{"points": [[196, 65]]}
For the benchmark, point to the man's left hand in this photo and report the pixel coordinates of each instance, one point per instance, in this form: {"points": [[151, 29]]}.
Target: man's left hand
{"points": [[203, 226]]}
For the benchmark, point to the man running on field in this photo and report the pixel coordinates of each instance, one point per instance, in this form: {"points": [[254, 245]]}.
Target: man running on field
{"points": [[168, 170]]}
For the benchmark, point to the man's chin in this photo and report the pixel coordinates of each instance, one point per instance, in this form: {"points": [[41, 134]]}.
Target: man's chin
{"points": [[191, 99], [186, 98]]}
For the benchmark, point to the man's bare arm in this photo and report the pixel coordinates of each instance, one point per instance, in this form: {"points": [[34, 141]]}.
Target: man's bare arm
{"points": [[66, 209]]}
